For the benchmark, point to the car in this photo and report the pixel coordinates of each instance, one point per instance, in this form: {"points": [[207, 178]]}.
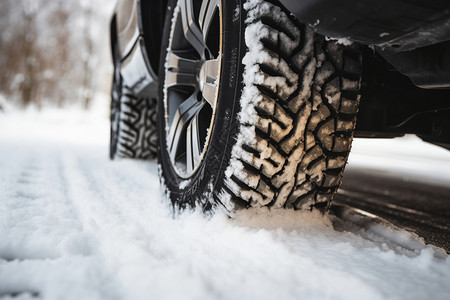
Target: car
{"points": [[253, 103]]}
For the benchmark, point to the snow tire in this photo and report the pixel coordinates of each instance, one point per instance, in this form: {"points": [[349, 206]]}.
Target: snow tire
{"points": [[285, 116], [133, 126]]}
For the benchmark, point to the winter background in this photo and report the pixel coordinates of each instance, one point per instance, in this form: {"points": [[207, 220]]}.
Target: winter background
{"points": [[75, 225], [54, 52]]}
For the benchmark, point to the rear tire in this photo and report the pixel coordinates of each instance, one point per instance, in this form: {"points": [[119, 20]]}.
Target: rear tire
{"points": [[133, 123], [285, 114]]}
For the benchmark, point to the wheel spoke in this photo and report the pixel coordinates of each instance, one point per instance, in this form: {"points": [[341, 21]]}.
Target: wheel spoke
{"points": [[193, 147], [207, 12], [184, 114], [208, 79], [174, 78], [176, 62], [191, 30], [181, 70]]}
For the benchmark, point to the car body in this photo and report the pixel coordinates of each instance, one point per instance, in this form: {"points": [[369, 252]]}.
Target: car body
{"points": [[139, 57]]}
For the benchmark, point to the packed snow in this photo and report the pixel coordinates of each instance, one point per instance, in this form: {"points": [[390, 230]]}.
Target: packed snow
{"points": [[343, 40], [75, 225]]}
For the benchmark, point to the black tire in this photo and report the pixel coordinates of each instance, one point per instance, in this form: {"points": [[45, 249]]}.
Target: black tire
{"points": [[284, 120], [116, 93], [133, 123]]}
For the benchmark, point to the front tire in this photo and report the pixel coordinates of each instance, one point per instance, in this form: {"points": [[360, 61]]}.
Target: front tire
{"points": [[283, 118]]}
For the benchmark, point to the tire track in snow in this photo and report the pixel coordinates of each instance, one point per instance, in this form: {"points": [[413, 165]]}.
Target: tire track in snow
{"points": [[31, 256], [113, 202]]}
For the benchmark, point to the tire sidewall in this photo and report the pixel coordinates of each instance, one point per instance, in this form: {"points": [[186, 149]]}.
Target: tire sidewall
{"points": [[207, 182]]}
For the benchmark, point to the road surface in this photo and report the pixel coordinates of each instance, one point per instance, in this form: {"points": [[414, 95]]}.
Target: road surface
{"points": [[418, 207]]}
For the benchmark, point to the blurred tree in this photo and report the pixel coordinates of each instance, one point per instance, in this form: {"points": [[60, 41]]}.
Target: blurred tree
{"points": [[60, 65], [30, 60], [49, 51], [88, 62]]}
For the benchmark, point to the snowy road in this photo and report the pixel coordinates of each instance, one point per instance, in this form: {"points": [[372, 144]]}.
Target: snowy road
{"points": [[74, 225]]}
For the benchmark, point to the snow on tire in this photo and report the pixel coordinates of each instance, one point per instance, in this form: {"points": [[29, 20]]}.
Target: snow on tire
{"points": [[284, 118], [299, 106]]}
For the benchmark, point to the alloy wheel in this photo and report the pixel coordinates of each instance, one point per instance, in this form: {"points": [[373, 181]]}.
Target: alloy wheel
{"points": [[192, 77]]}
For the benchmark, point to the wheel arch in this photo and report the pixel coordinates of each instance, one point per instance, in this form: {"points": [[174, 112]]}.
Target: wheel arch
{"points": [[113, 37]]}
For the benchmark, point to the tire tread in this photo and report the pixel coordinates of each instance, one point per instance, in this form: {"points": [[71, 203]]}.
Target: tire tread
{"points": [[136, 133], [305, 116]]}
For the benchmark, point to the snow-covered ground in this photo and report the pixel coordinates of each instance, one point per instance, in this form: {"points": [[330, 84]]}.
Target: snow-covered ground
{"points": [[408, 156], [74, 225]]}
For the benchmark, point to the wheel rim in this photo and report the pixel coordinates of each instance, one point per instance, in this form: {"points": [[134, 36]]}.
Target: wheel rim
{"points": [[192, 77]]}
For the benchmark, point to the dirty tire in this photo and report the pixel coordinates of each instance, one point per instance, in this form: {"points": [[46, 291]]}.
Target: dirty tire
{"points": [[283, 140], [133, 127]]}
